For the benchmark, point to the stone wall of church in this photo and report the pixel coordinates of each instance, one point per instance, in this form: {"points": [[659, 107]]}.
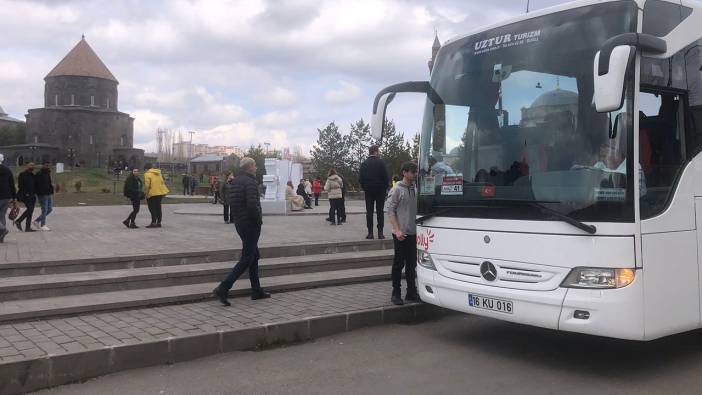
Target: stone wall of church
{"points": [[81, 91], [83, 136]]}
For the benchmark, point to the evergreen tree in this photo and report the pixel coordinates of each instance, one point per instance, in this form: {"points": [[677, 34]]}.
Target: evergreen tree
{"points": [[415, 148], [394, 149], [330, 151], [358, 141]]}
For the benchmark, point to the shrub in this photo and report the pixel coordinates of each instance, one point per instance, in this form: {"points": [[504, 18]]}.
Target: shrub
{"points": [[78, 185], [106, 190]]}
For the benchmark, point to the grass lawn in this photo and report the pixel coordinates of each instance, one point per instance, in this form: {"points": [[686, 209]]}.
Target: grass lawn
{"points": [[98, 188]]}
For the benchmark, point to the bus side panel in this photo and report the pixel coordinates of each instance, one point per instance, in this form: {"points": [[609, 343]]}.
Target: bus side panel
{"points": [[671, 286]]}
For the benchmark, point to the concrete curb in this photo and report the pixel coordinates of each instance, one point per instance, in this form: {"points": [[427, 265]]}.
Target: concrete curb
{"points": [[52, 370], [290, 214]]}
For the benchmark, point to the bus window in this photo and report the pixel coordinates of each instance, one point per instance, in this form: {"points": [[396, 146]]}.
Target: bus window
{"points": [[661, 147]]}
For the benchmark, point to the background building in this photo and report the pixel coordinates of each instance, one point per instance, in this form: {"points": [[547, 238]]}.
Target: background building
{"points": [[80, 122]]}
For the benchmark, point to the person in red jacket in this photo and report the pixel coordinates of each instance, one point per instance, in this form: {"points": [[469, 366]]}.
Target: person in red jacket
{"points": [[317, 189]]}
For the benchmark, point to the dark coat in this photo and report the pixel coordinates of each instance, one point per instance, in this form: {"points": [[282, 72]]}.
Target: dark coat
{"points": [[374, 175], [133, 188], [245, 201], [27, 187], [301, 191], [344, 187], [226, 191], [7, 183], [43, 184]]}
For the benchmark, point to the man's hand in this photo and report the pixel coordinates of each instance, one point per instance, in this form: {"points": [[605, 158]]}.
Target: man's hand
{"points": [[398, 234]]}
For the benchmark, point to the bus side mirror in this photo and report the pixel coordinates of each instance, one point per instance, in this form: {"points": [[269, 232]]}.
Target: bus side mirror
{"points": [[378, 117], [612, 62], [609, 87]]}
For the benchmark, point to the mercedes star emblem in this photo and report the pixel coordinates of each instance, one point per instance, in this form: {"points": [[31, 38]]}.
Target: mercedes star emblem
{"points": [[488, 271]]}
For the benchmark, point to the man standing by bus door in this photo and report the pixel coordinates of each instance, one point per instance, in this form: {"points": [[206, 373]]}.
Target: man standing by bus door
{"points": [[402, 212], [374, 179]]}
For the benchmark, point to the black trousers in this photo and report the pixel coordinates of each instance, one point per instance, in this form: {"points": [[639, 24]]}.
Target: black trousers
{"points": [[316, 199], [375, 199], [136, 204], [249, 258], [186, 189], [228, 213], [335, 206], [27, 214], [405, 257], [154, 204]]}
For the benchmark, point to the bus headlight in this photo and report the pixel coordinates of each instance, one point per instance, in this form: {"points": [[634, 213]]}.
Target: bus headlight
{"points": [[424, 260], [598, 278]]}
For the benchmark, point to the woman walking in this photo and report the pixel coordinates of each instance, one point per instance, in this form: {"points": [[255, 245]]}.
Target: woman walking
{"points": [[134, 191], [333, 188], [155, 189]]}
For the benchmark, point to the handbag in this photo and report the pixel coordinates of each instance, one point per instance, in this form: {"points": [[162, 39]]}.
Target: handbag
{"points": [[14, 212]]}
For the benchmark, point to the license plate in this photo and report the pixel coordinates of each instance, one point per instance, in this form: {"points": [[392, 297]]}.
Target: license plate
{"points": [[492, 304]]}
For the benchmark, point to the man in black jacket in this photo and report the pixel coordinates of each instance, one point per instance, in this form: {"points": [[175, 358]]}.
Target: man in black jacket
{"points": [[245, 203], [7, 196], [374, 179], [26, 195]]}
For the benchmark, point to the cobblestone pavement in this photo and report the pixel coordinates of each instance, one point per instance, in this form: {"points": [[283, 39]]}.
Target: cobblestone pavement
{"points": [[95, 232], [94, 331]]}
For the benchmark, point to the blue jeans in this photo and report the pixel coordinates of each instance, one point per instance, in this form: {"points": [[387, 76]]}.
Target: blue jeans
{"points": [[249, 258], [47, 206]]}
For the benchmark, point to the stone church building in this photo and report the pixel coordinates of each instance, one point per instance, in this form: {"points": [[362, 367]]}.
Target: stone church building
{"points": [[80, 123]]}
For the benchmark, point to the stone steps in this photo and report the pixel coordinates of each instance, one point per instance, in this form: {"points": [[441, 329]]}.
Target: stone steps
{"points": [[106, 281], [14, 269]]}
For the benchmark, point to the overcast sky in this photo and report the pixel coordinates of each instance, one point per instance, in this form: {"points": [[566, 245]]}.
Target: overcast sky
{"points": [[240, 72]]}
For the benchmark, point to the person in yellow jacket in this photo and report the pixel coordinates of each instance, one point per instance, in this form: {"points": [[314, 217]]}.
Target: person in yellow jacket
{"points": [[155, 189]]}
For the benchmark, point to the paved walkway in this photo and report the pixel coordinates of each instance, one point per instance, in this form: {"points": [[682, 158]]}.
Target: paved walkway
{"points": [[95, 331], [96, 232]]}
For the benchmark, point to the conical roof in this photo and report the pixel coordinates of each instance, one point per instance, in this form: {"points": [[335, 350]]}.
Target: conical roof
{"points": [[437, 43], [82, 61]]}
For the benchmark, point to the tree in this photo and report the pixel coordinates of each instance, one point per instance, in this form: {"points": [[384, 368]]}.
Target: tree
{"points": [[258, 154], [415, 148], [394, 149], [12, 135], [357, 144], [329, 152]]}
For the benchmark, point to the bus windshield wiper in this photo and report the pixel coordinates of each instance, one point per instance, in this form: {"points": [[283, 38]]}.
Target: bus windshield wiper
{"points": [[591, 229]]}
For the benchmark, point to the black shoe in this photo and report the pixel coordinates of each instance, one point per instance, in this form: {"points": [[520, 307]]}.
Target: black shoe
{"points": [[29, 230], [222, 296], [412, 296], [332, 223], [370, 236], [380, 236], [158, 225], [260, 295], [133, 226], [3, 234], [226, 222], [151, 225], [18, 225], [126, 223], [397, 300], [328, 219]]}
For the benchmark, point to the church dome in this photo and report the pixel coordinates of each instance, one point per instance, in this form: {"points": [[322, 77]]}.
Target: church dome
{"points": [[555, 98]]}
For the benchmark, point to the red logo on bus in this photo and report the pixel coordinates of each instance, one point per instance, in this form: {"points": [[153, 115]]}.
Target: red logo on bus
{"points": [[425, 239], [488, 191]]}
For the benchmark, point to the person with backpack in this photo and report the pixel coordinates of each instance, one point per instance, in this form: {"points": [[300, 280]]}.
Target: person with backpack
{"points": [[134, 191], [8, 194], [45, 195], [155, 190], [26, 195]]}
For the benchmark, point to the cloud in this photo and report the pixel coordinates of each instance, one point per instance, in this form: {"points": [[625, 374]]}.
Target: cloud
{"points": [[346, 93], [277, 97]]}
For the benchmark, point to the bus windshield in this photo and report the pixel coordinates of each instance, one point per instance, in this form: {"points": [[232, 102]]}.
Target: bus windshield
{"points": [[512, 122]]}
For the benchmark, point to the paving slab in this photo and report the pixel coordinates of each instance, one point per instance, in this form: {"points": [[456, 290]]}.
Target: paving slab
{"points": [[97, 232], [175, 333]]}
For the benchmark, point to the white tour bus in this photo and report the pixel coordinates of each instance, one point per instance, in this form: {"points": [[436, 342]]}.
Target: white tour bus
{"points": [[560, 173]]}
